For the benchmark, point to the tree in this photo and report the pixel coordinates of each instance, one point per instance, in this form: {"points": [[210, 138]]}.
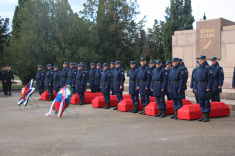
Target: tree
{"points": [[4, 39], [178, 17], [204, 16]]}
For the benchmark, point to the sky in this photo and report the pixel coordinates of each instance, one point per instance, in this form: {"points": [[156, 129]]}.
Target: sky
{"points": [[153, 9]]}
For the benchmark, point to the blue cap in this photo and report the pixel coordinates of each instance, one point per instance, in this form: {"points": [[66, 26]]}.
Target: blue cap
{"points": [[56, 66], [213, 58], [117, 62], [175, 59], [65, 63], [98, 64], [168, 62], [151, 62], [40, 66], [202, 57], [80, 65], [92, 64], [197, 61], [49, 65], [158, 61], [180, 59], [142, 59], [133, 62], [112, 63], [105, 64], [71, 63]]}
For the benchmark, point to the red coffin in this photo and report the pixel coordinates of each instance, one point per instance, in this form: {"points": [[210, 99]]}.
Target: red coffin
{"points": [[99, 102], [192, 112], [45, 95], [152, 108], [127, 104], [88, 97]]}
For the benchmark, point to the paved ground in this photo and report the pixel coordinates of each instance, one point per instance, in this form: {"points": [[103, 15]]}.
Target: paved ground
{"points": [[107, 132]]}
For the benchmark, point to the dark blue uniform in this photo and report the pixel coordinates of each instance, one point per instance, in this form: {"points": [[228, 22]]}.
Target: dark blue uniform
{"points": [[56, 81], [105, 85], [70, 76], [193, 77], [119, 80], [185, 79], [204, 81], [176, 79], [92, 80], [167, 91], [218, 81], [152, 69], [112, 80], [159, 86], [40, 77], [64, 75], [49, 81], [6, 81], [143, 82], [97, 79], [74, 77], [80, 83], [133, 84]]}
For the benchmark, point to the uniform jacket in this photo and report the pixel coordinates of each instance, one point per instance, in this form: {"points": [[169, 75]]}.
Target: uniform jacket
{"points": [[105, 81], [133, 80], [144, 80], [119, 79], [218, 78]]}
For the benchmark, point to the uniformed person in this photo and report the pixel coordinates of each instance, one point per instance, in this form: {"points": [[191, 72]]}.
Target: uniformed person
{"points": [[84, 68], [70, 75], [49, 81], [203, 86], [176, 81], [193, 77], [56, 78], [97, 77], [92, 77], [40, 77], [143, 83], [159, 86], [80, 83], [112, 68], [4, 84], [168, 68], [74, 77], [119, 79], [75, 66], [8, 79], [218, 79], [183, 67], [105, 84], [132, 86], [152, 67], [64, 75]]}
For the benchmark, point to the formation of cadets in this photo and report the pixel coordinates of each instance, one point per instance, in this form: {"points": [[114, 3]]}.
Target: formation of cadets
{"points": [[6, 77], [155, 79]]}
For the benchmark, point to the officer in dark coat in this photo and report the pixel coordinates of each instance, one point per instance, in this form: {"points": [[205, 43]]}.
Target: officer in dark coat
{"points": [[75, 66], [7, 78], [98, 77], [133, 84], [203, 86], [218, 79], [119, 79], [182, 65], [152, 66], [176, 82], [84, 68], [4, 85], [80, 83], [105, 84], [159, 86], [70, 74], [92, 77], [49, 81], [168, 68], [64, 74], [193, 77], [74, 77], [40, 77], [143, 83], [112, 68], [56, 78]]}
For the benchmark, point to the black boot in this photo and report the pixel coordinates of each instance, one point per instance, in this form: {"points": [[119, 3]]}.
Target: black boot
{"points": [[50, 99], [206, 119], [142, 112], [81, 102], [107, 106], [159, 114], [115, 108], [135, 109], [176, 115], [163, 113], [203, 116], [172, 117]]}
